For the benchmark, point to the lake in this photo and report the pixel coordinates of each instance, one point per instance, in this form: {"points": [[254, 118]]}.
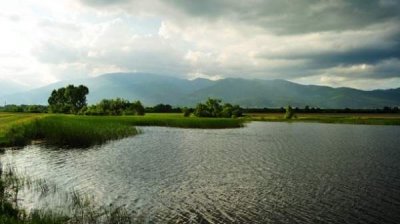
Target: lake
{"points": [[265, 172]]}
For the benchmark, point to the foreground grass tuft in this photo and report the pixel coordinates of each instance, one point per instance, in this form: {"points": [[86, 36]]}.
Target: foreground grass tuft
{"points": [[82, 209]]}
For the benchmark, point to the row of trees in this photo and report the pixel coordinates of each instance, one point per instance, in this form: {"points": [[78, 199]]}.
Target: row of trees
{"points": [[24, 108], [115, 107], [166, 108], [72, 100], [163, 108]]}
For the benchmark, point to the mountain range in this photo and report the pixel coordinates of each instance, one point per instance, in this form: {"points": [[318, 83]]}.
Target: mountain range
{"points": [[153, 89]]}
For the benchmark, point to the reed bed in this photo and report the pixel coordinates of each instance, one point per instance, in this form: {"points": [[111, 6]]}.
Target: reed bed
{"points": [[66, 131], [84, 131]]}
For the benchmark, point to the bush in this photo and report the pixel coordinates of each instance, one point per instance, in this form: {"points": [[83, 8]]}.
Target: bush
{"points": [[186, 112], [289, 113], [213, 108], [116, 107]]}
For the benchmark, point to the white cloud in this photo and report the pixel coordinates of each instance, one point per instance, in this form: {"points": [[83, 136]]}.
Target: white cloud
{"points": [[47, 41]]}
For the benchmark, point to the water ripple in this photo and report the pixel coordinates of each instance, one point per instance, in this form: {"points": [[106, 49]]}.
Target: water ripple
{"points": [[266, 172]]}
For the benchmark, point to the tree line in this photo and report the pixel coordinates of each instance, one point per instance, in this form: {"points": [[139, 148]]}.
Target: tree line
{"points": [[72, 100], [166, 108]]}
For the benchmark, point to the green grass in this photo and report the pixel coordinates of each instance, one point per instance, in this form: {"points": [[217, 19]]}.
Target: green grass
{"points": [[368, 119], [177, 120], [63, 130], [10, 120], [83, 131]]}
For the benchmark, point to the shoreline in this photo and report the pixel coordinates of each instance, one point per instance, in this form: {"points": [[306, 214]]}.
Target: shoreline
{"points": [[18, 129]]}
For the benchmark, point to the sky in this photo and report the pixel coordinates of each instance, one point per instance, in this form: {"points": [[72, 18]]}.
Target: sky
{"points": [[352, 43]]}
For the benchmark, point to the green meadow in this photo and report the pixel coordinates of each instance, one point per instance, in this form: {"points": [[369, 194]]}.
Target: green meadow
{"points": [[336, 118]]}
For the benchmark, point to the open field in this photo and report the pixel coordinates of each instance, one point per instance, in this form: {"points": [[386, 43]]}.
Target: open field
{"points": [[351, 118]]}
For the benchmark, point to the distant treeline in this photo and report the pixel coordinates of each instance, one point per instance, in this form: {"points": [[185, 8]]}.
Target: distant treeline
{"points": [[24, 108], [166, 108], [72, 100]]}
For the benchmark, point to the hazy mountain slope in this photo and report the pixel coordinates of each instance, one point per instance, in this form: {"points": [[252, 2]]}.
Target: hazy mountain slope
{"points": [[8, 87], [149, 88], [153, 89], [277, 93]]}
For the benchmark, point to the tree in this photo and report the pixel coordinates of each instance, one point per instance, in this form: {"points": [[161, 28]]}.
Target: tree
{"points": [[202, 111], [186, 112], [289, 113], [214, 107], [76, 97], [68, 99], [137, 108]]}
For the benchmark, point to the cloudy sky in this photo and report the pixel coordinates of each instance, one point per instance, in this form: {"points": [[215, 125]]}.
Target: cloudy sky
{"points": [[353, 43]]}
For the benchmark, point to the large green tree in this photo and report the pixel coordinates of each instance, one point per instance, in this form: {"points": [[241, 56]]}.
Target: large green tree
{"points": [[70, 99]]}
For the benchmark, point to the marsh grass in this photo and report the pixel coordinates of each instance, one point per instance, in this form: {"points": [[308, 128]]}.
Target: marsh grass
{"points": [[9, 123], [180, 121], [83, 131], [77, 208], [66, 131], [76, 131]]}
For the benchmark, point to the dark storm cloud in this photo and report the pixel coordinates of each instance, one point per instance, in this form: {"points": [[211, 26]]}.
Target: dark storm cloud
{"points": [[285, 16], [380, 46], [300, 16], [368, 55], [362, 56], [386, 69]]}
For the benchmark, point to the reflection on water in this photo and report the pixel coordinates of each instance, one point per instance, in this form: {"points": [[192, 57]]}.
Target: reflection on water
{"points": [[266, 172]]}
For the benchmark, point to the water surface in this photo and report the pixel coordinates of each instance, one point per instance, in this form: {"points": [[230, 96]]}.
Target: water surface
{"points": [[265, 172]]}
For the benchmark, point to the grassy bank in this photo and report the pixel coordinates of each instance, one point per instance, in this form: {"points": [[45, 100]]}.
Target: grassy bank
{"points": [[176, 120], [368, 119], [82, 131], [68, 131]]}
